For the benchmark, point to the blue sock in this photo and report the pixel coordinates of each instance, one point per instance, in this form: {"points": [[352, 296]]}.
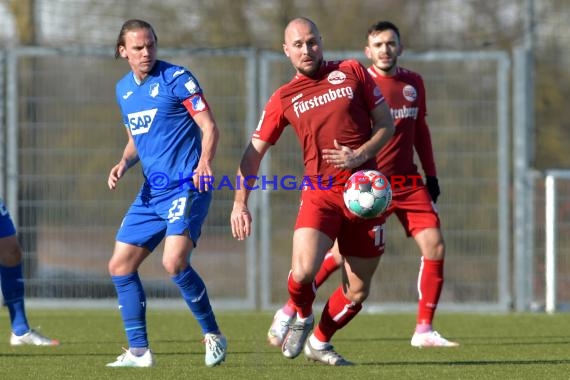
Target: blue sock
{"points": [[12, 284], [194, 292], [132, 303]]}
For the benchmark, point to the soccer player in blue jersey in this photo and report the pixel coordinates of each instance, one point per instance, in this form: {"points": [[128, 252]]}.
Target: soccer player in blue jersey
{"points": [[172, 132], [12, 284]]}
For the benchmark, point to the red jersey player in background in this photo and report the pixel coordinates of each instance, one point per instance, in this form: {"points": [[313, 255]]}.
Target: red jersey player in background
{"points": [[341, 120], [412, 202]]}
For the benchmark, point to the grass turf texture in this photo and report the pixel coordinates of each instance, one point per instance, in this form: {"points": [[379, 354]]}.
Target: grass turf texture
{"points": [[502, 346]]}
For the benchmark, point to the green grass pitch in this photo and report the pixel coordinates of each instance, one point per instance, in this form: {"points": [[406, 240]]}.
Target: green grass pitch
{"points": [[493, 346]]}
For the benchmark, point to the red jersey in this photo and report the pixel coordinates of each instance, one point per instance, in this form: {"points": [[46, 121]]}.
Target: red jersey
{"points": [[405, 94], [334, 104]]}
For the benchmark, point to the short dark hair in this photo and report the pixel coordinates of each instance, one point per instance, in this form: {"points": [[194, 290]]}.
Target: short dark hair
{"points": [[381, 26], [129, 25]]}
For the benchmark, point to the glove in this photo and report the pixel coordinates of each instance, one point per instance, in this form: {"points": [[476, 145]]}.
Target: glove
{"points": [[433, 187]]}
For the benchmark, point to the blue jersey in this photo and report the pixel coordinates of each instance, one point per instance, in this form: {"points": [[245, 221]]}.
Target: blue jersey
{"points": [[167, 138]]}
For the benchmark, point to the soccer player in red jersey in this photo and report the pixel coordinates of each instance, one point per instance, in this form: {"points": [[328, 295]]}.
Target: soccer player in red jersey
{"points": [[341, 120], [413, 201]]}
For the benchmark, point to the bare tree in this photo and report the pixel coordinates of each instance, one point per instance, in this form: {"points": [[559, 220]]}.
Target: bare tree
{"points": [[24, 14]]}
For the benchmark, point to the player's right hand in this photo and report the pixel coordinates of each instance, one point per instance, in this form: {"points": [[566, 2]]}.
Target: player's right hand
{"points": [[240, 221]]}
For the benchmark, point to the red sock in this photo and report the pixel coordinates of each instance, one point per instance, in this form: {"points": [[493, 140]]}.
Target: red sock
{"points": [[302, 296], [430, 284], [337, 313], [328, 267]]}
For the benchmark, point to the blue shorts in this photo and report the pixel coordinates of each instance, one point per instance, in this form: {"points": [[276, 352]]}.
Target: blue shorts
{"points": [[6, 225], [177, 212]]}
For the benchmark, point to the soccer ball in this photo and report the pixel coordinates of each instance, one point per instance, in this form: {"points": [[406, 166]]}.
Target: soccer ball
{"points": [[367, 193]]}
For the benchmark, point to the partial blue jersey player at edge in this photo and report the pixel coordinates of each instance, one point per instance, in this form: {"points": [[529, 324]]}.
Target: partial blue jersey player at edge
{"points": [[12, 285]]}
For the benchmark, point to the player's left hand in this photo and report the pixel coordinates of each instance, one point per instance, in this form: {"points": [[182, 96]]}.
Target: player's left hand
{"points": [[432, 185], [342, 157]]}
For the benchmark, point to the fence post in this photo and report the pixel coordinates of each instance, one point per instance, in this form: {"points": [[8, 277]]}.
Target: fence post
{"points": [[550, 259]]}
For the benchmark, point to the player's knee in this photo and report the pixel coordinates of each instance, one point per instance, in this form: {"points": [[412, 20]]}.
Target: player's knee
{"points": [[431, 244], [11, 257], [358, 296], [435, 251], [440, 250], [10, 251], [118, 267], [173, 267], [112, 267], [302, 278], [303, 274]]}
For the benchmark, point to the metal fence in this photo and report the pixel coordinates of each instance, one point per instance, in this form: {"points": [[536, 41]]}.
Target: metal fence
{"points": [[63, 133]]}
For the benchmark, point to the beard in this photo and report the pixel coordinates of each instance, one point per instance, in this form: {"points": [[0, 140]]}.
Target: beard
{"points": [[387, 68], [313, 70]]}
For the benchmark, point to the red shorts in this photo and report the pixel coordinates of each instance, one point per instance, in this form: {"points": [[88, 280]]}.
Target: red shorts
{"points": [[324, 210], [415, 209]]}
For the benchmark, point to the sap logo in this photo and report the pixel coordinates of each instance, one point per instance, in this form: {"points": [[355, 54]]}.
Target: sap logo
{"points": [[140, 122]]}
